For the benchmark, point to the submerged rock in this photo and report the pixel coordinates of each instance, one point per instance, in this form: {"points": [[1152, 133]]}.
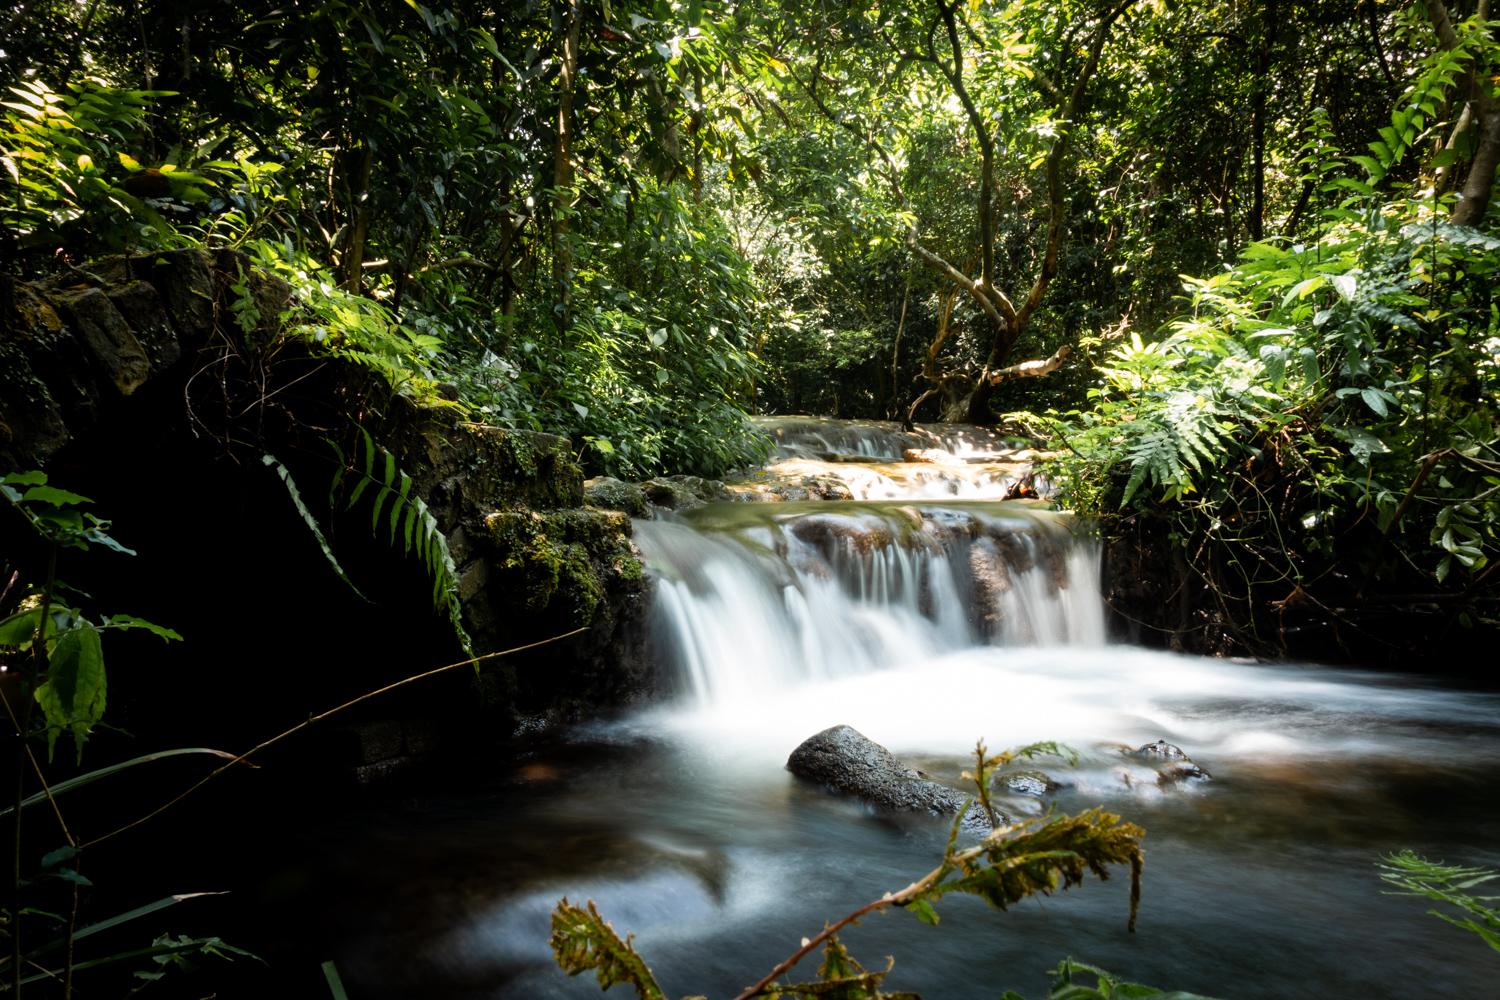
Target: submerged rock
{"points": [[1034, 783], [1172, 764], [845, 760], [1158, 750], [833, 534]]}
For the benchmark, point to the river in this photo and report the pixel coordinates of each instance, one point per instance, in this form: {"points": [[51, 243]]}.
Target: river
{"points": [[928, 614]]}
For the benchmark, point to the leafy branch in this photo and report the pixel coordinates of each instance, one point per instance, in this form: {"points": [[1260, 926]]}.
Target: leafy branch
{"points": [[1009, 864]]}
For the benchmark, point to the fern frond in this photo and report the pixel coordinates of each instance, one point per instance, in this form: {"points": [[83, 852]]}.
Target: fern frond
{"points": [[407, 520], [309, 520], [1449, 884], [582, 941], [1154, 456]]}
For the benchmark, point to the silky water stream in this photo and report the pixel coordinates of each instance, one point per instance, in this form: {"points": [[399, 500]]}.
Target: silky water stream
{"points": [[927, 623]]}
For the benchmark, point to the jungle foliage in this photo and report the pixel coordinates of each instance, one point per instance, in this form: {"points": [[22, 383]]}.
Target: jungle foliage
{"points": [[503, 203], [1257, 240], [1319, 429]]}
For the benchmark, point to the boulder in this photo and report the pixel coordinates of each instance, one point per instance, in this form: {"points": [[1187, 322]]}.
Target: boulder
{"points": [[845, 760]]}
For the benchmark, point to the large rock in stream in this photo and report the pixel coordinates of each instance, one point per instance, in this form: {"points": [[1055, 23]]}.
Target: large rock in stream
{"points": [[845, 760]]}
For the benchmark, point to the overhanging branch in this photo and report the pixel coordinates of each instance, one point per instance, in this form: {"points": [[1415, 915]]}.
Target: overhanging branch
{"points": [[1031, 369]]}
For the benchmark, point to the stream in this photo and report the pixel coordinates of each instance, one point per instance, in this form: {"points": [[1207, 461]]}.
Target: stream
{"points": [[928, 613]]}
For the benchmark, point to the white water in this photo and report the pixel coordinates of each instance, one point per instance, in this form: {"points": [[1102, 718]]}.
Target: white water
{"points": [[927, 625], [763, 597]]}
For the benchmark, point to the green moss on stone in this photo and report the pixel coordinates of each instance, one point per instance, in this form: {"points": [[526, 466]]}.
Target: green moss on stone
{"points": [[559, 559]]}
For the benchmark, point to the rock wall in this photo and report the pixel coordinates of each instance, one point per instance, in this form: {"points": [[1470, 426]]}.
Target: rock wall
{"points": [[134, 381]]}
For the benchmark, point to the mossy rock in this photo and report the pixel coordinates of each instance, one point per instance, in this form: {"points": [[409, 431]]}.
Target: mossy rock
{"points": [[684, 492], [562, 565], [608, 493]]}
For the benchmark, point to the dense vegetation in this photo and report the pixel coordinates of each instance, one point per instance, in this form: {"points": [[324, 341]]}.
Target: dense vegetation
{"points": [[634, 223], [1234, 265]]}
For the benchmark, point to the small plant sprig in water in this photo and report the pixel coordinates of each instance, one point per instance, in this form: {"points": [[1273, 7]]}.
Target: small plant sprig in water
{"points": [[1450, 885], [1010, 863]]}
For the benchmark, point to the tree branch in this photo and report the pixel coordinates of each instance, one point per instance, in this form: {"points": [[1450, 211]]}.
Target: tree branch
{"points": [[1031, 369]]}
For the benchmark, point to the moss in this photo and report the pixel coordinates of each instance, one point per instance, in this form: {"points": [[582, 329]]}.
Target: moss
{"points": [[629, 568], [525, 467], [558, 560], [612, 494]]}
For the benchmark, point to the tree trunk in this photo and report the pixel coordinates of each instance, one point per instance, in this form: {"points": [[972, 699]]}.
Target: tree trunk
{"points": [[1257, 220], [358, 163], [562, 164], [1474, 199]]}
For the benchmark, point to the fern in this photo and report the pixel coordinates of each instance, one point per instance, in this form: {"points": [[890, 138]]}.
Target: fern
{"points": [[1155, 456], [1418, 109], [582, 941], [404, 517], [1448, 884], [309, 520]]}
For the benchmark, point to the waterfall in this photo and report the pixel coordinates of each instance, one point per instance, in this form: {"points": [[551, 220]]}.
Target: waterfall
{"points": [[751, 597]]}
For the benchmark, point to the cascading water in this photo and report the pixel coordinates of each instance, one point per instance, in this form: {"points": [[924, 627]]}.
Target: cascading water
{"points": [[927, 621], [757, 596]]}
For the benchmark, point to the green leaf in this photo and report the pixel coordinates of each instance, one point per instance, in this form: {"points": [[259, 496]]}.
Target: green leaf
{"points": [[335, 983], [131, 622], [17, 631], [308, 519], [72, 697], [923, 911], [54, 496], [79, 781], [583, 942], [54, 858]]}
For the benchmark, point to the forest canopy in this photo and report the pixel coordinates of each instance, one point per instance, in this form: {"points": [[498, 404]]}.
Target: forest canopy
{"points": [[1234, 263]]}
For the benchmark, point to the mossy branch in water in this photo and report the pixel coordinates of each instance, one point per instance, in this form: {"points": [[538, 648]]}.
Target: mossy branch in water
{"points": [[1009, 864], [583, 941]]}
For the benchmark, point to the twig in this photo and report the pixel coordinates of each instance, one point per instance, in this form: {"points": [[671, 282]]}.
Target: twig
{"points": [[472, 661]]}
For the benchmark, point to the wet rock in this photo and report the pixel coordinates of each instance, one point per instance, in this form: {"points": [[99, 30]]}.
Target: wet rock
{"points": [[683, 492], [1158, 750], [831, 533], [611, 494], [1173, 765], [1034, 783], [845, 760], [1181, 771], [991, 580], [827, 488]]}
